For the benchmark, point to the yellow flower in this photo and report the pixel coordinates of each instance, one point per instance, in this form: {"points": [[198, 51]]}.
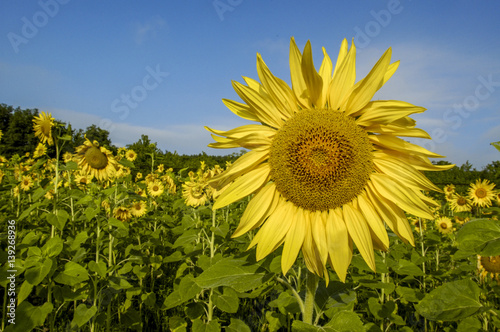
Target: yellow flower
{"points": [[138, 176], [481, 193], [326, 165], [449, 189], [488, 265], [122, 213], [40, 150], [461, 220], [160, 168], [2, 174], [130, 155], [49, 194], [138, 209], [155, 188], [67, 157], [26, 183], [82, 180], [194, 194], [460, 203], [96, 161], [42, 125], [444, 225]]}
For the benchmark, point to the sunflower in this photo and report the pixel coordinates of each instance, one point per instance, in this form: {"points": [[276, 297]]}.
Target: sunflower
{"points": [[67, 157], [26, 183], [444, 225], [138, 176], [42, 125], [481, 193], [155, 188], [161, 168], [449, 189], [130, 155], [138, 209], [122, 213], [488, 265], [96, 161], [40, 150], [461, 220], [194, 194], [170, 183], [2, 174], [460, 203], [326, 165], [82, 180]]}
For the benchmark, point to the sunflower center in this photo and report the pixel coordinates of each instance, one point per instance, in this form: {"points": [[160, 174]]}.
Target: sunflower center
{"points": [[96, 158], [320, 159], [491, 264], [156, 188], [481, 193], [197, 191], [45, 127], [461, 201], [444, 225]]}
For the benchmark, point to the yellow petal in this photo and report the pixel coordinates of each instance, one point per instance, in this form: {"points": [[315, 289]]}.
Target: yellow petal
{"points": [[325, 71], [293, 241], [373, 220], [274, 230], [390, 71], [313, 80], [299, 86], [318, 221], [360, 233], [244, 186], [343, 79], [342, 54], [400, 195], [277, 89], [339, 244], [309, 249], [258, 209], [242, 110], [370, 84], [394, 143], [386, 111]]}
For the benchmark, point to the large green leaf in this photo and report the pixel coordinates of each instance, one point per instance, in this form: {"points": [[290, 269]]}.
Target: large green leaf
{"points": [[83, 315], [186, 291], [239, 274], [237, 325], [28, 316], [345, 321], [451, 302], [201, 326], [228, 301], [36, 273], [53, 247], [58, 220], [73, 274], [481, 236]]}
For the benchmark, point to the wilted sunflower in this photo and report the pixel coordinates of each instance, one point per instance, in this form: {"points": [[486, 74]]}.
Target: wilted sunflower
{"points": [[138, 209], [444, 225], [489, 265], [26, 183], [122, 213], [40, 150], [155, 188], [194, 193], [42, 125], [461, 220], [481, 193], [96, 161], [460, 203], [326, 165], [130, 155]]}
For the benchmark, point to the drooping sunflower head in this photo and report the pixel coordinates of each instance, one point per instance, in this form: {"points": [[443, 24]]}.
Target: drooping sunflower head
{"points": [[489, 265], [326, 164], [122, 213], [444, 225], [96, 160], [194, 193], [481, 193], [42, 125]]}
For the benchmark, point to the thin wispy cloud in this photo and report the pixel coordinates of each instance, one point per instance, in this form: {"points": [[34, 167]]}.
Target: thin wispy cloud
{"points": [[148, 29]]}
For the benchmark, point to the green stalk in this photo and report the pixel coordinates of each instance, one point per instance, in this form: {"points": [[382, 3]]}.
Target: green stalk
{"points": [[423, 263], [311, 286]]}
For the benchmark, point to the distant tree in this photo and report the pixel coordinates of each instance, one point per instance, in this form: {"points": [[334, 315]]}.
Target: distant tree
{"points": [[17, 128], [145, 149]]}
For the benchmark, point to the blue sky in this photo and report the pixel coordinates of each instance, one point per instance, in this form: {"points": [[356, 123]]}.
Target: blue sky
{"points": [[161, 68]]}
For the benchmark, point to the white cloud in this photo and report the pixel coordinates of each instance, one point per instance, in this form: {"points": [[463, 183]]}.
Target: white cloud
{"points": [[144, 30]]}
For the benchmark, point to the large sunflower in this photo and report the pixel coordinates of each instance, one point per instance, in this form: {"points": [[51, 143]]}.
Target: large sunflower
{"points": [[95, 160], [326, 165], [481, 193], [42, 125]]}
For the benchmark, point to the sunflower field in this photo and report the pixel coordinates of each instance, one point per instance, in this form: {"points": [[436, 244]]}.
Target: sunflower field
{"points": [[317, 227]]}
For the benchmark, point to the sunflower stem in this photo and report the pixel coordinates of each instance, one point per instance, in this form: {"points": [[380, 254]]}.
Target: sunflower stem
{"points": [[311, 286]]}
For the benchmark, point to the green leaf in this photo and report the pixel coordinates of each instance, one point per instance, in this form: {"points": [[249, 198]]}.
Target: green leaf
{"points": [[24, 291], [285, 303], [119, 283], [496, 145], [35, 274], [126, 163], [149, 299], [28, 210], [451, 302], [99, 268], [28, 316], [345, 321], [186, 291], [156, 261], [237, 325], [80, 238], [194, 310], [177, 324], [58, 220], [481, 236], [409, 294], [82, 315], [232, 272], [53, 247], [228, 301], [117, 223], [38, 193], [300, 326], [405, 267], [73, 274], [276, 320], [200, 326], [470, 324], [91, 212]]}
